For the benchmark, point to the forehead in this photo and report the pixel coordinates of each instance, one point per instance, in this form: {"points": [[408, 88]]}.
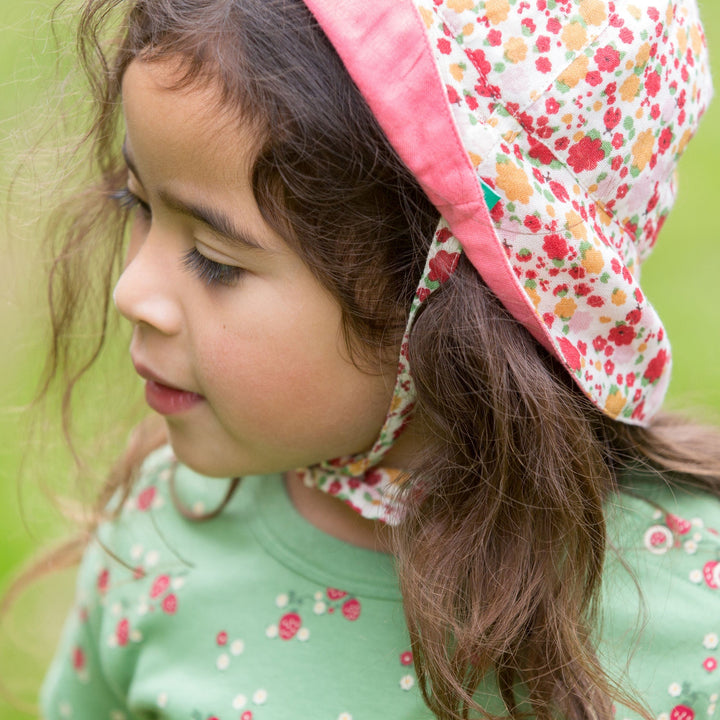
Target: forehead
{"points": [[186, 115]]}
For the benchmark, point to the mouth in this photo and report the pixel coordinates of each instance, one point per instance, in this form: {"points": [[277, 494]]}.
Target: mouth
{"points": [[163, 397]]}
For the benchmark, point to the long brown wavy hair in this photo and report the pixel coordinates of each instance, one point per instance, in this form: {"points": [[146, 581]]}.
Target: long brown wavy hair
{"points": [[516, 450]]}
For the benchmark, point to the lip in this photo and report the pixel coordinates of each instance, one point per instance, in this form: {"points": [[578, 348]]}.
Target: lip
{"points": [[164, 398]]}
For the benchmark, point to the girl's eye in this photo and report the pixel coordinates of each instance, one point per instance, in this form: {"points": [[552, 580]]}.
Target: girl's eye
{"points": [[209, 271], [128, 200]]}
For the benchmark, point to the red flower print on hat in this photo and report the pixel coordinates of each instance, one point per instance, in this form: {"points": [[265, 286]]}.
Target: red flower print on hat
{"points": [[442, 266], [588, 150], [555, 246], [656, 366], [607, 58], [622, 334], [585, 154]]}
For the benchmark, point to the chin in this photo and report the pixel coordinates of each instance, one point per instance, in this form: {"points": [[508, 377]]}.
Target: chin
{"points": [[209, 460], [197, 458]]}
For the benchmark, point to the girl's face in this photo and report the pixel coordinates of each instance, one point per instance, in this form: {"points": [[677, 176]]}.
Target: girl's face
{"points": [[241, 346]]}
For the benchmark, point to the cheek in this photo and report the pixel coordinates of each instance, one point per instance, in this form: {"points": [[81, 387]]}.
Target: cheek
{"points": [[285, 366], [290, 354]]}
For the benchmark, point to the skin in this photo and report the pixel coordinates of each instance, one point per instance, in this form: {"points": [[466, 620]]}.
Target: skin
{"points": [[265, 351]]}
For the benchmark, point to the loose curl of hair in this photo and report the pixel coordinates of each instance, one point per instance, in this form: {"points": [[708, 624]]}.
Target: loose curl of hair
{"points": [[516, 452]]}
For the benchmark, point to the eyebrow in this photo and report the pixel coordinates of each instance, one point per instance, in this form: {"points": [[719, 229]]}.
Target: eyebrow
{"points": [[215, 219]]}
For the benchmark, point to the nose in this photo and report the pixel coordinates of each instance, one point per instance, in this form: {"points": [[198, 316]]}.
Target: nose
{"points": [[145, 293]]}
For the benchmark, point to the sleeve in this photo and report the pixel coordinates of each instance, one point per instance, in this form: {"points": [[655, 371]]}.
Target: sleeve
{"points": [[76, 686], [91, 674], [661, 600]]}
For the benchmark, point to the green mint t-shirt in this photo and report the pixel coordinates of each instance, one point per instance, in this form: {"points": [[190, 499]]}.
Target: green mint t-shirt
{"points": [[258, 615]]}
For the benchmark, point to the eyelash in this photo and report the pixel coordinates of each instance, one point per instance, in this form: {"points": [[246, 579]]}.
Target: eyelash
{"points": [[207, 270], [128, 200]]}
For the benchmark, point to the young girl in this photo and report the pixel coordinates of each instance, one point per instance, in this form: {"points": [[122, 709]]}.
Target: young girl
{"points": [[315, 189]]}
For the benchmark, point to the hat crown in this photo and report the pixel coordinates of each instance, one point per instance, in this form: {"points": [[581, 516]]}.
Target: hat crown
{"points": [[610, 91]]}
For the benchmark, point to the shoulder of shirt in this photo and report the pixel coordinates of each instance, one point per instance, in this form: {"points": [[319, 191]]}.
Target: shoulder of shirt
{"points": [[650, 500]]}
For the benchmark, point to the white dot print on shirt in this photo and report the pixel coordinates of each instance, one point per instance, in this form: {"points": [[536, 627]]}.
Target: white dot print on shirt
{"points": [[230, 648], [240, 701], [658, 539], [407, 681]]}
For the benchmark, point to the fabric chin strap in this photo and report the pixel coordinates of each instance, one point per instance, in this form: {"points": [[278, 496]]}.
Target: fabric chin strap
{"points": [[359, 480]]}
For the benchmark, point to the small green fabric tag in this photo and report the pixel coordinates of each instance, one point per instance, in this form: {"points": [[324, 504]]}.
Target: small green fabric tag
{"points": [[491, 197]]}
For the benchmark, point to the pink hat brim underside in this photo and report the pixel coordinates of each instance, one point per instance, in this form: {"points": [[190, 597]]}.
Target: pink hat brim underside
{"points": [[380, 63]]}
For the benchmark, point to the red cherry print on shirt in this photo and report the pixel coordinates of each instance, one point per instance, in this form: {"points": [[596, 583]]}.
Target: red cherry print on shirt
{"points": [[682, 712], [103, 581], [658, 538], [678, 525], [351, 609], [78, 658], [169, 604], [161, 584], [122, 632], [289, 625], [145, 498], [710, 573], [335, 594], [222, 638], [138, 573]]}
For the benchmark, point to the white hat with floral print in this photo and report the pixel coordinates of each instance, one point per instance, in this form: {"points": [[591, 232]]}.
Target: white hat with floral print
{"points": [[575, 112], [547, 133]]}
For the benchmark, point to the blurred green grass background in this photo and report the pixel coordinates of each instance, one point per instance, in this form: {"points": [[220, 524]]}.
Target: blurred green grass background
{"points": [[681, 278]]}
